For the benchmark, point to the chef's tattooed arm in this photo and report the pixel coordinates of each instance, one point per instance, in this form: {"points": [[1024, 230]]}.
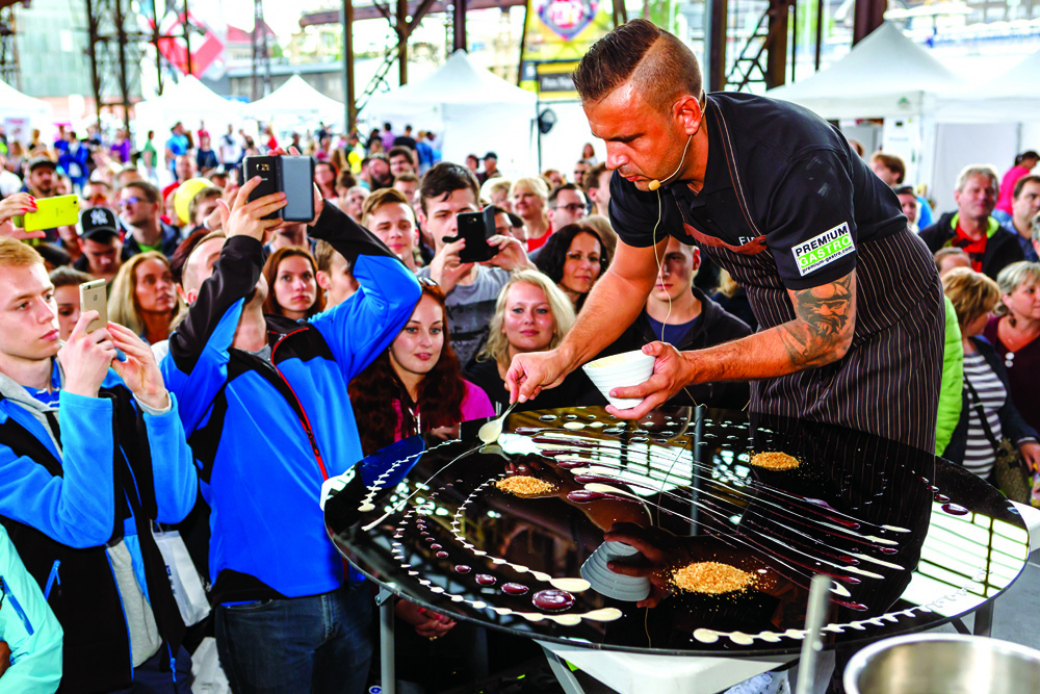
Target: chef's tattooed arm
{"points": [[826, 319]]}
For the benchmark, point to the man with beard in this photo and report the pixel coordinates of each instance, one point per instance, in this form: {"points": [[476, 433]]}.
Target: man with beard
{"points": [[268, 417]]}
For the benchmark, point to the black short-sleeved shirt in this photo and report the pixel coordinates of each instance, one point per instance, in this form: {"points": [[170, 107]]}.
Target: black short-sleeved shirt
{"points": [[812, 201]]}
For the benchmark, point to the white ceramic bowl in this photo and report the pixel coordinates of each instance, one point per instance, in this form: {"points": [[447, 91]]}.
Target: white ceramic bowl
{"points": [[620, 370]]}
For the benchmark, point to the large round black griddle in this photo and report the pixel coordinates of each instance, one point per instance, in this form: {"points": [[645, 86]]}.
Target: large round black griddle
{"points": [[910, 540]]}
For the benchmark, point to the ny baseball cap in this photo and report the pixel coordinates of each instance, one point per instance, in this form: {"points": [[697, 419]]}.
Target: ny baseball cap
{"points": [[98, 224]]}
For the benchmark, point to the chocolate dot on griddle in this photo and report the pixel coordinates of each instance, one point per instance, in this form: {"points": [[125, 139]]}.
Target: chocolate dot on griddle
{"points": [[485, 579], [514, 588], [462, 569], [441, 555], [552, 600]]}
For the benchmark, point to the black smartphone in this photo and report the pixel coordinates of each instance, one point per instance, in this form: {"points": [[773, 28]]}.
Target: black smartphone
{"points": [[266, 169], [292, 175], [297, 182], [477, 228]]}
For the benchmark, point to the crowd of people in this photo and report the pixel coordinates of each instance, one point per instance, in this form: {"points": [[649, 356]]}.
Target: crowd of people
{"points": [[246, 361]]}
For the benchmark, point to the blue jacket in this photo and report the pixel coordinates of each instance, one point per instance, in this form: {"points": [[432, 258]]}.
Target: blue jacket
{"points": [[28, 627], [266, 433], [73, 481]]}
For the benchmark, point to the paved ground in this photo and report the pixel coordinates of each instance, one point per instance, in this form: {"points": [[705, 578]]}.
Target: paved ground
{"points": [[1017, 614]]}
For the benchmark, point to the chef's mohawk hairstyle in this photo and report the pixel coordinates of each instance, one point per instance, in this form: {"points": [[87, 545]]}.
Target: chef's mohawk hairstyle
{"points": [[658, 63]]}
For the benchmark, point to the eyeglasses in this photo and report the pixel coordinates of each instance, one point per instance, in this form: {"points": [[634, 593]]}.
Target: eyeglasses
{"points": [[131, 200], [574, 207]]}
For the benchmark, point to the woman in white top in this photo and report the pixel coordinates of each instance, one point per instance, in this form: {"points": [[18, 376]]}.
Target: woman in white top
{"points": [[974, 296]]}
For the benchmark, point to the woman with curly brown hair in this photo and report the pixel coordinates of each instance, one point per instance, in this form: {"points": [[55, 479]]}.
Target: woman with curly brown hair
{"points": [[291, 275], [416, 385]]}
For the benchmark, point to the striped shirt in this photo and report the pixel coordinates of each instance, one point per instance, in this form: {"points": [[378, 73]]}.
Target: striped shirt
{"points": [[979, 454]]}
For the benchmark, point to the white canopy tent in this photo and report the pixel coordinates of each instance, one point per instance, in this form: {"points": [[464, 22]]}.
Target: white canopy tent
{"points": [[1012, 97], [296, 100], [884, 75], [188, 101], [888, 76], [22, 110], [473, 110]]}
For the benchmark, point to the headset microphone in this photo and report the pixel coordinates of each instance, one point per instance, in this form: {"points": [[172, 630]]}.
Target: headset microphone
{"points": [[655, 184]]}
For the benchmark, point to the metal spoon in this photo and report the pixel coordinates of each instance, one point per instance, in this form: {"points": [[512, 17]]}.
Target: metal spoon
{"points": [[490, 431]]}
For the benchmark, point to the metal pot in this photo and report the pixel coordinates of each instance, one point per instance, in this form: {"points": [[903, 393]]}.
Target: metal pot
{"points": [[943, 664]]}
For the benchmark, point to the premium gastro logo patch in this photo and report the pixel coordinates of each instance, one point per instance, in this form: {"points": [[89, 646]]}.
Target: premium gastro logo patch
{"points": [[824, 249]]}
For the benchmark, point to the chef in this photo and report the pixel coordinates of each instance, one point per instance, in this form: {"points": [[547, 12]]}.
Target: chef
{"points": [[848, 300]]}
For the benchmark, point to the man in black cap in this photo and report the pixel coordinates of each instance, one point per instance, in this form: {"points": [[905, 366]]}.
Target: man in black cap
{"points": [[40, 178], [101, 243], [490, 168]]}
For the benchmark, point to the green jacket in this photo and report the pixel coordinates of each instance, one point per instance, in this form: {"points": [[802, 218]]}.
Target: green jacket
{"points": [[952, 382]]}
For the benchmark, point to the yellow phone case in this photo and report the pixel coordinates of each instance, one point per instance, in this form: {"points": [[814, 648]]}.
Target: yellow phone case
{"points": [[50, 213]]}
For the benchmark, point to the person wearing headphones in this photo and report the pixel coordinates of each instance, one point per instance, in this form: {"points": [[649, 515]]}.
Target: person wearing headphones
{"points": [[849, 303]]}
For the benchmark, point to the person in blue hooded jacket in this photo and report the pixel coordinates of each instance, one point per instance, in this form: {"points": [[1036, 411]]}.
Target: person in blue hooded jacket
{"points": [[91, 452], [30, 636], [264, 401]]}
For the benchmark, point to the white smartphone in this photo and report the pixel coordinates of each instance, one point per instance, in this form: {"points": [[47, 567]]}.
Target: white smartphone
{"points": [[93, 296]]}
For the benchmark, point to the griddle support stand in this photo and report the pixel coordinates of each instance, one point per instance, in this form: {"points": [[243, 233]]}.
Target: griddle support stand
{"points": [[563, 673], [385, 600]]}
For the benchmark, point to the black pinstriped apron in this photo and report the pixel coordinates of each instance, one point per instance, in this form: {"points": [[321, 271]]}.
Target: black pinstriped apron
{"points": [[888, 382]]}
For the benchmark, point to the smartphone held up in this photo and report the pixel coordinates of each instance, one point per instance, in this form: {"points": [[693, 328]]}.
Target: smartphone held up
{"points": [[476, 228], [289, 174], [50, 213], [93, 296]]}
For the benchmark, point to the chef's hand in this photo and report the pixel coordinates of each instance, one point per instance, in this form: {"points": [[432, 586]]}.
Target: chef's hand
{"points": [[672, 371], [530, 373], [1030, 451]]}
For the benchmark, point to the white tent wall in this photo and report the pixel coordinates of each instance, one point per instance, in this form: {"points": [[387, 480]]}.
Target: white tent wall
{"points": [[959, 144], [504, 129], [561, 148]]}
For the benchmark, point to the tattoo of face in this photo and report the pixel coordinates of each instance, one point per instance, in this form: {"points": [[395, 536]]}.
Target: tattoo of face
{"points": [[826, 317], [827, 308]]}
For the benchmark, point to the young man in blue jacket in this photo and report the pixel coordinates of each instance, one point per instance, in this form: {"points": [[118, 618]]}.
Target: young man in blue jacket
{"points": [[30, 636], [91, 451], [264, 402]]}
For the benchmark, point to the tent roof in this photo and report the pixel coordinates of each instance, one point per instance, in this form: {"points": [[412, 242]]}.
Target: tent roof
{"points": [[13, 103], [190, 97], [458, 81], [885, 74], [1018, 81], [295, 97], [1009, 98]]}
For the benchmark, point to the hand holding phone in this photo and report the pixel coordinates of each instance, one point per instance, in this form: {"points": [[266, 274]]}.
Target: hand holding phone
{"points": [[476, 228], [283, 173], [50, 213], [17, 205], [248, 217], [86, 356]]}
